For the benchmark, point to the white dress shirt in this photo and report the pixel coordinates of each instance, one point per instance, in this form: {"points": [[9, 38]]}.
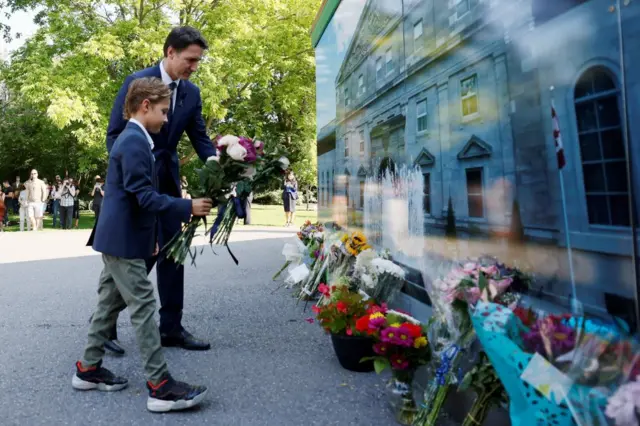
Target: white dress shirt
{"points": [[166, 79], [133, 120]]}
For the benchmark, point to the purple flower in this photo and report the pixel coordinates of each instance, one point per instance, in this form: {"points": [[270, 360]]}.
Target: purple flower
{"points": [[397, 336], [550, 337], [247, 144]]}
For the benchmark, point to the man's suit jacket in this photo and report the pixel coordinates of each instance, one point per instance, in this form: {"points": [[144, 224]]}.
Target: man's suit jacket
{"points": [[187, 117], [127, 224]]}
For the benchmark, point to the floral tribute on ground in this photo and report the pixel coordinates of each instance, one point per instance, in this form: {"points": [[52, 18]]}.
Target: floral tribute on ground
{"points": [[483, 336], [241, 167]]}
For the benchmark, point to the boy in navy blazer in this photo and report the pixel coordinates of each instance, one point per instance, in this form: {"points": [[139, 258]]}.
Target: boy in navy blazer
{"points": [[126, 234], [183, 50]]}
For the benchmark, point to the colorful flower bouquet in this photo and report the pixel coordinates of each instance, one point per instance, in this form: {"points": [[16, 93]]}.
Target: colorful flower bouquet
{"points": [[335, 260], [455, 297], [558, 369], [401, 345], [338, 317], [306, 249], [242, 166]]}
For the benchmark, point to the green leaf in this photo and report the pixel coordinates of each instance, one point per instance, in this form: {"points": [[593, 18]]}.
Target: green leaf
{"points": [[482, 282], [381, 364]]}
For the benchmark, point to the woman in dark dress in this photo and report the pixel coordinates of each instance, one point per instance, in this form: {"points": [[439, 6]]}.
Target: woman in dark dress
{"points": [[289, 197], [98, 194]]}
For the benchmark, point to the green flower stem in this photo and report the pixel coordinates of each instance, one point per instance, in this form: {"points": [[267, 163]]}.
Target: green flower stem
{"points": [[286, 264], [480, 408]]}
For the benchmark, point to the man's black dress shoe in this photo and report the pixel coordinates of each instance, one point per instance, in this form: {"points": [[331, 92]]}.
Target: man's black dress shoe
{"points": [[185, 340], [114, 347]]}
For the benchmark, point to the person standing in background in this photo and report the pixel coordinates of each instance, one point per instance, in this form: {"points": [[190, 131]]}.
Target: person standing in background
{"points": [[67, 192], [36, 197], [2, 211], [24, 208], [7, 192], [55, 194], [16, 187], [98, 195], [289, 197], [76, 203]]}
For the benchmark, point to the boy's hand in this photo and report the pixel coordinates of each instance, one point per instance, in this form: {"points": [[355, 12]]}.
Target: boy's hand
{"points": [[157, 250], [201, 206]]}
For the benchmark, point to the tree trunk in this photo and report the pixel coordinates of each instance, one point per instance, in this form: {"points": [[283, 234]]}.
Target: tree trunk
{"points": [[140, 12], [308, 195]]}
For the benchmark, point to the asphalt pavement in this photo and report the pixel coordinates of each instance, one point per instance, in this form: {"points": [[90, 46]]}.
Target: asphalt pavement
{"points": [[268, 365]]}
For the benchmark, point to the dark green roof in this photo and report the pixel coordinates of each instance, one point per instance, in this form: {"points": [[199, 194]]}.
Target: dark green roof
{"points": [[327, 9]]}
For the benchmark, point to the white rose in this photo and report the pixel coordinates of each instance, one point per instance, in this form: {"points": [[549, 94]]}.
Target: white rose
{"points": [[214, 158], [250, 172], [228, 140], [237, 152], [284, 162]]}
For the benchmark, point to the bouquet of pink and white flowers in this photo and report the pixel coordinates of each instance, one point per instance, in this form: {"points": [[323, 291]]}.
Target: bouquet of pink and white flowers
{"points": [[241, 167]]}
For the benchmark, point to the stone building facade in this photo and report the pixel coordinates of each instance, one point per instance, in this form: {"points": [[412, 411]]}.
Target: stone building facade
{"points": [[462, 89]]}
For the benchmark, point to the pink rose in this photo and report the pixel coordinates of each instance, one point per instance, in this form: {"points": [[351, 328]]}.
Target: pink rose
{"points": [[472, 295]]}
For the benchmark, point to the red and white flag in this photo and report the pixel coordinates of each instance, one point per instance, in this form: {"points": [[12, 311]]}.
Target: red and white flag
{"points": [[558, 138]]}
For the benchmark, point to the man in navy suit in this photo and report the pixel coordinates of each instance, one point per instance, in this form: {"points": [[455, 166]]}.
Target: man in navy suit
{"points": [[127, 234], [183, 51]]}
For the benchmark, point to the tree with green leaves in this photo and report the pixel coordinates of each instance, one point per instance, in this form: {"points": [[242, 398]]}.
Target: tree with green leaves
{"points": [[257, 78]]}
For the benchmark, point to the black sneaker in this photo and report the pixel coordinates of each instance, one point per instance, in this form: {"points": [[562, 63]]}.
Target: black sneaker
{"points": [[96, 377], [171, 395]]}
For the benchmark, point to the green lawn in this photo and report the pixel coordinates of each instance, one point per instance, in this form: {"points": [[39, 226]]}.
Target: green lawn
{"points": [[260, 216], [86, 222]]}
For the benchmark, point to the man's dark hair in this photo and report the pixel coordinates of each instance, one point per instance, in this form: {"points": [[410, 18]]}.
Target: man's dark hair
{"points": [[181, 38]]}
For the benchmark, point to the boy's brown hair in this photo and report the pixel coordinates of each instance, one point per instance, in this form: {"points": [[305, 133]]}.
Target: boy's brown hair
{"points": [[151, 88]]}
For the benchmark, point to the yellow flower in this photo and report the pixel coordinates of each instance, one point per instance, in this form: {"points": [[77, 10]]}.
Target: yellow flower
{"points": [[376, 315], [420, 342], [351, 250], [395, 325], [359, 237], [344, 238]]}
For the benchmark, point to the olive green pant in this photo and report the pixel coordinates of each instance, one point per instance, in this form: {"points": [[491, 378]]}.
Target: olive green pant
{"points": [[124, 284]]}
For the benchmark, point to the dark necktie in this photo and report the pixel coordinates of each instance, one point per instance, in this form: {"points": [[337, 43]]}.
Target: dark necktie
{"points": [[173, 85]]}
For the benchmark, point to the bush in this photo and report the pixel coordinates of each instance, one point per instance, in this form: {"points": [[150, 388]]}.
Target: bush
{"points": [[269, 198]]}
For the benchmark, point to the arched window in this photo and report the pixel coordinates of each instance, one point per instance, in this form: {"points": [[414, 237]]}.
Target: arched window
{"points": [[602, 151]]}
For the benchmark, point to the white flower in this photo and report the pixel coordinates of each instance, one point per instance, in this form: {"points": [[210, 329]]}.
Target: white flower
{"points": [[367, 280], [215, 158], [383, 265], [318, 236], [284, 162], [237, 152], [250, 172], [228, 140], [624, 405]]}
